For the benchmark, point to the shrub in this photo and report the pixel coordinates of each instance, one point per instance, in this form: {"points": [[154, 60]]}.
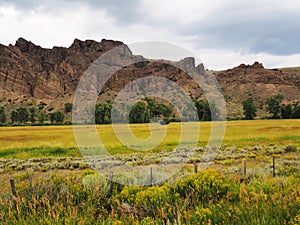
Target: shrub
{"points": [[204, 187], [290, 148], [68, 107]]}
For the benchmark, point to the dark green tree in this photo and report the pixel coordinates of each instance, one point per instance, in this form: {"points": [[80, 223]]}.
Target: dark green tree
{"points": [[296, 111], [53, 117], [13, 116], [202, 109], [60, 116], [2, 115], [41, 117], [159, 110], [103, 113], [206, 111], [249, 109], [68, 107], [139, 113], [274, 105], [57, 117], [286, 111], [32, 112], [19, 115]]}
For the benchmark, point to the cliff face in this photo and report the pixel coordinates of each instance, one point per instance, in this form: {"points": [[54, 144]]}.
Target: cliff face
{"points": [[28, 71], [31, 71]]}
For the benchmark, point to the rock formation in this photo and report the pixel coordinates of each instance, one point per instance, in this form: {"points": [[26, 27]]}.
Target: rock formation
{"points": [[30, 72]]}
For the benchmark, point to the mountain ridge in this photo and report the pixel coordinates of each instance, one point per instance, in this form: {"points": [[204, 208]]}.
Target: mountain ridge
{"points": [[30, 73]]}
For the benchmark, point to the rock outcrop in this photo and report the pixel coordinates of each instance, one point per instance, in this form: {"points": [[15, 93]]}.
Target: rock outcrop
{"points": [[28, 71]]}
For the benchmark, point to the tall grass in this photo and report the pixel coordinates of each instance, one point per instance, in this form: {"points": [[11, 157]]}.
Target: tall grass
{"points": [[204, 198]]}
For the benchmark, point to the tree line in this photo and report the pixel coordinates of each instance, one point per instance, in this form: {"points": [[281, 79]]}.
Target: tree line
{"points": [[147, 110], [34, 115], [274, 106]]}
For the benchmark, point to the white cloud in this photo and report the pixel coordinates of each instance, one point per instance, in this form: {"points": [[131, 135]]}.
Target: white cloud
{"points": [[52, 27], [221, 33], [223, 59]]}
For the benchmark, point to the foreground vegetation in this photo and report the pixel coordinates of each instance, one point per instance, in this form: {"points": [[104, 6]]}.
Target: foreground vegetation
{"points": [[55, 186], [204, 198]]}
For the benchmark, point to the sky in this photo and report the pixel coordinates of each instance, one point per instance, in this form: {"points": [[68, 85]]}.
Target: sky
{"points": [[223, 34]]}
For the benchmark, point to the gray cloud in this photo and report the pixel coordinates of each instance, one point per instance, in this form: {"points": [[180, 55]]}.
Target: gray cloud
{"points": [[277, 35], [252, 27], [124, 12]]}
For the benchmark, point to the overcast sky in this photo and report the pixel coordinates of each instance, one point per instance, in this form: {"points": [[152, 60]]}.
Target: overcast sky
{"points": [[222, 34]]}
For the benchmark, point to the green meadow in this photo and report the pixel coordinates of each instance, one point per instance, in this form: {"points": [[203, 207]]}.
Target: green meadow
{"points": [[27, 142], [55, 186]]}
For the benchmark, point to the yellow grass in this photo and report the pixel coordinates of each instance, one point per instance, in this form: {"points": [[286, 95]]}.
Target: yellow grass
{"points": [[285, 132]]}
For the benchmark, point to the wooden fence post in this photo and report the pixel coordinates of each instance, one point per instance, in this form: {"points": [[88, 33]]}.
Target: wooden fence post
{"points": [[13, 187], [111, 176], [245, 168], [274, 167], [195, 168]]}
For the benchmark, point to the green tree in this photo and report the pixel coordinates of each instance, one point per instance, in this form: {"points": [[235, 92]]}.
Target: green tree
{"points": [[13, 116], [53, 117], [296, 111], [286, 111], [57, 117], [103, 113], [159, 110], [32, 112], [19, 115], [41, 117], [139, 113], [274, 105], [206, 111], [202, 109], [68, 107], [60, 116], [249, 109], [2, 115]]}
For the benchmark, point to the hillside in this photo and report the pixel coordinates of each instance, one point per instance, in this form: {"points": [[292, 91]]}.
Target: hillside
{"points": [[258, 82], [30, 74]]}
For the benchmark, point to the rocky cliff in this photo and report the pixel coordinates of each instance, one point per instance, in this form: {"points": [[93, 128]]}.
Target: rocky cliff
{"points": [[28, 69], [29, 72]]}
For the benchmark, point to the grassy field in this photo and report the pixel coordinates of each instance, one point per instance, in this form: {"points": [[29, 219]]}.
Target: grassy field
{"points": [[55, 186], [27, 142]]}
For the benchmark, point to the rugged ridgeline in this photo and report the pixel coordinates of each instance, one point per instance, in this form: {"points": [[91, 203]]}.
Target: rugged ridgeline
{"points": [[30, 73], [255, 81]]}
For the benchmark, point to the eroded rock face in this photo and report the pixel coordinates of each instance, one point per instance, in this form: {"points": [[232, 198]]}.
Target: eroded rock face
{"points": [[29, 70]]}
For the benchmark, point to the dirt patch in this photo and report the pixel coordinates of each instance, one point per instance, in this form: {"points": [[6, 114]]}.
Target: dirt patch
{"points": [[18, 138], [278, 128]]}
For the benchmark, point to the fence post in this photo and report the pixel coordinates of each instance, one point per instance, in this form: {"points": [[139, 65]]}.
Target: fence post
{"points": [[195, 168], [111, 176], [13, 187], [245, 168], [274, 166]]}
